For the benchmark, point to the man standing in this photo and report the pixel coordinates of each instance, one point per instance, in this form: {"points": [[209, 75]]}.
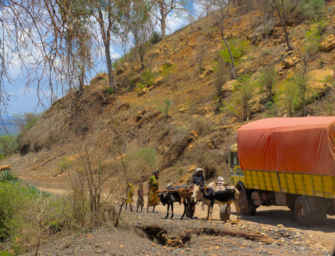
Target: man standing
{"points": [[140, 196], [153, 198]]}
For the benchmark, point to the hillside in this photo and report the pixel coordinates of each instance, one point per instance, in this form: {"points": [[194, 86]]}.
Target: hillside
{"points": [[183, 109]]}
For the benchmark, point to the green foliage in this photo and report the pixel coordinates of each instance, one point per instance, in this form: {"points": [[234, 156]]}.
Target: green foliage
{"points": [[288, 97], [30, 120], [166, 107], [267, 80], [6, 175], [146, 80], [8, 145], [292, 96], [239, 103], [238, 48], [312, 9], [110, 90], [155, 38], [64, 165], [149, 155], [167, 68], [6, 253], [313, 37], [26, 213], [13, 198]]}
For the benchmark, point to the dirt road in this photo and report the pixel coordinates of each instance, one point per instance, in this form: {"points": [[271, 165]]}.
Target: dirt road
{"points": [[140, 234]]}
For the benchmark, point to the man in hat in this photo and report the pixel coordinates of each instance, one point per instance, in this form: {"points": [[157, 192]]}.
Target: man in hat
{"points": [[220, 184], [198, 177], [153, 198]]}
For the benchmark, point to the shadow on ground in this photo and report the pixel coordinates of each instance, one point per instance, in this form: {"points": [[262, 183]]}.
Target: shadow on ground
{"points": [[284, 217]]}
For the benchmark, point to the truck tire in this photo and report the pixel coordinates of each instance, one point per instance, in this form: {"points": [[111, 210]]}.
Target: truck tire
{"points": [[246, 206], [308, 211]]}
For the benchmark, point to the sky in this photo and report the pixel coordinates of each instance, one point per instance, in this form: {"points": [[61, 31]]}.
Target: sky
{"points": [[23, 95]]}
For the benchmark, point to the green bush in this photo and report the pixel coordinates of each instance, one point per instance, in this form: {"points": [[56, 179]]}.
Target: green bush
{"points": [[6, 253], [312, 9], [110, 90], [267, 80], [167, 68], [239, 102], [155, 38], [8, 145], [30, 120], [313, 37], [166, 107], [7, 176], [288, 97], [238, 48], [294, 94], [146, 80], [26, 214]]}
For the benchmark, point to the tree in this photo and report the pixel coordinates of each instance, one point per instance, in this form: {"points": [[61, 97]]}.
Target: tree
{"points": [[220, 17], [161, 10], [108, 14], [139, 24], [282, 8]]}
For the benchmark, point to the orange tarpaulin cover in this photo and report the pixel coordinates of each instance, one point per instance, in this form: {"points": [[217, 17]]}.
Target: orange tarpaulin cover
{"points": [[300, 145]]}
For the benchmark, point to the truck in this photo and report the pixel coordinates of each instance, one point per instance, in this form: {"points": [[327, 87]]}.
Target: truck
{"points": [[289, 162]]}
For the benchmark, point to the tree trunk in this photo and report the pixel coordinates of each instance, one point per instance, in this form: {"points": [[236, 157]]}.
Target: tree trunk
{"points": [[232, 65], [163, 26], [283, 18], [109, 65]]}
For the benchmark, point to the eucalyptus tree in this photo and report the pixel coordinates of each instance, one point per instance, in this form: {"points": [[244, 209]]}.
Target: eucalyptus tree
{"points": [[140, 25], [162, 9]]}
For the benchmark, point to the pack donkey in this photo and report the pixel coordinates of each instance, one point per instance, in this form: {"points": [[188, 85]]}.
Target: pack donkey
{"points": [[210, 197], [181, 194]]}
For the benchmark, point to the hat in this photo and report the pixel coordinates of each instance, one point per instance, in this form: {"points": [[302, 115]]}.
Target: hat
{"points": [[199, 169], [220, 178]]}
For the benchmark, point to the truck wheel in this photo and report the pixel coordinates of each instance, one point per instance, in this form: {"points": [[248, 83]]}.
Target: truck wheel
{"points": [[307, 211], [246, 205], [225, 212]]}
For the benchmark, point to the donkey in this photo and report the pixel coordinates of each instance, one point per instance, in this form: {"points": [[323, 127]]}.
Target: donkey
{"points": [[182, 195], [210, 197]]}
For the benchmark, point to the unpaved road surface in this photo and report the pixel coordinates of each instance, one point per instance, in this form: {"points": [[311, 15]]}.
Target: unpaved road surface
{"points": [[287, 238], [271, 232], [130, 239]]}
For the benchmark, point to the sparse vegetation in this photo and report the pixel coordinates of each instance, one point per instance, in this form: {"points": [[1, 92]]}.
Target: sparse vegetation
{"points": [[313, 38], [155, 38], [27, 215], [146, 80], [238, 47], [110, 90], [166, 107], [267, 80], [8, 145], [312, 9], [167, 69], [292, 95], [239, 103], [30, 119]]}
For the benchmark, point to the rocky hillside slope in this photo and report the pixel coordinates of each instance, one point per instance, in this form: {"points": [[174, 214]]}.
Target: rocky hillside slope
{"points": [[183, 109]]}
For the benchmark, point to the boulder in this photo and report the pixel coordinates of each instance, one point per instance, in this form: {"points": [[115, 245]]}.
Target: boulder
{"points": [[328, 43], [290, 61]]}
